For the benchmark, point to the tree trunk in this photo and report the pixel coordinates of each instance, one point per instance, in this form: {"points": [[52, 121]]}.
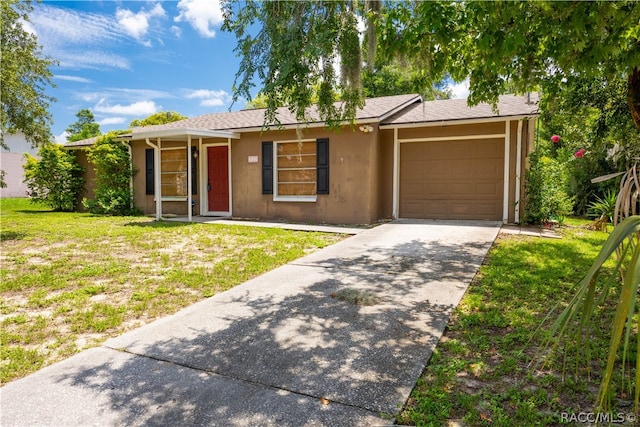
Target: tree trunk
{"points": [[633, 97]]}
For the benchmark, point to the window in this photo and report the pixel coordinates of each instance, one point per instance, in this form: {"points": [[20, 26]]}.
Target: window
{"points": [[297, 170], [173, 177]]}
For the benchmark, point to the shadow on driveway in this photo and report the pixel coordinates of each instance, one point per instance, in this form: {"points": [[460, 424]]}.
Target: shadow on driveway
{"points": [[280, 349]]}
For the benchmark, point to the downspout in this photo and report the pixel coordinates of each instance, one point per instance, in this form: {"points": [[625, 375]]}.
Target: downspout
{"points": [[396, 175], [507, 159]]}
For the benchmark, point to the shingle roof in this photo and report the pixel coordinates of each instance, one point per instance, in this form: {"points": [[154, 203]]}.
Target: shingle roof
{"points": [[83, 142], [457, 109], [387, 110], [374, 108]]}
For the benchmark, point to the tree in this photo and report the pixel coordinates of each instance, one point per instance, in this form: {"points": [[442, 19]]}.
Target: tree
{"points": [[497, 45], [113, 177], [25, 75], [160, 118], [399, 79], [590, 114], [85, 127], [294, 50], [55, 179]]}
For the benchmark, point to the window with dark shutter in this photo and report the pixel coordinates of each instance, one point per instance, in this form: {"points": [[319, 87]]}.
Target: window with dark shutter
{"points": [[267, 167], [322, 161], [149, 168], [194, 171]]}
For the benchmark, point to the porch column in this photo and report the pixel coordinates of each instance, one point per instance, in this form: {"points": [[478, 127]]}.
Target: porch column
{"points": [[156, 176], [230, 177], [516, 217], [396, 174], [201, 188], [189, 182], [507, 156]]}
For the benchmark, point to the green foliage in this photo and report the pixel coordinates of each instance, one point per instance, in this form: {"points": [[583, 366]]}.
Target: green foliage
{"points": [[576, 321], [591, 115], [25, 75], [479, 373], [55, 179], [85, 127], [113, 177], [604, 207], [396, 79], [546, 184], [498, 46], [160, 118], [296, 49]]}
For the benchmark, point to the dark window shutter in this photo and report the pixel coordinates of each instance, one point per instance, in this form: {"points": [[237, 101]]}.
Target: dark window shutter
{"points": [[194, 172], [322, 161], [267, 167], [149, 168]]}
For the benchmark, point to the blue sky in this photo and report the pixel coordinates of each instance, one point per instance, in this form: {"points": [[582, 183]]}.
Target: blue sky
{"points": [[126, 60]]}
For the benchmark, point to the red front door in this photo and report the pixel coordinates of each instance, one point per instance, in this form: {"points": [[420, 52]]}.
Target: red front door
{"points": [[218, 178]]}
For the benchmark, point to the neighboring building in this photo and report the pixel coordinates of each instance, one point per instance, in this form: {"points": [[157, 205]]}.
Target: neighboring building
{"points": [[404, 158], [11, 162]]}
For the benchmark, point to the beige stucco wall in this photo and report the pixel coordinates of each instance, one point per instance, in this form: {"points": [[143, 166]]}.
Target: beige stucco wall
{"points": [[351, 198], [360, 173]]}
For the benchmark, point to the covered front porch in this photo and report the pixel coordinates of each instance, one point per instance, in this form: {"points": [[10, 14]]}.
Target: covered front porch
{"points": [[185, 166]]}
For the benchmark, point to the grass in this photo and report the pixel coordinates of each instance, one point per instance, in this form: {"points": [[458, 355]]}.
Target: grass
{"points": [[487, 369], [71, 280]]}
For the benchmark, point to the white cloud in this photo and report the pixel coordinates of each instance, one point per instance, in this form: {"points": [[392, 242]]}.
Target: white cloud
{"points": [[176, 31], [140, 108], [202, 15], [459, 90], [61, 139], [78, 39], [137, 24], [72, 78], [209, 98], [112, 121]]}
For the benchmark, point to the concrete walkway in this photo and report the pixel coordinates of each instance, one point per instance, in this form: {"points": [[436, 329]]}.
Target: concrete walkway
{"points": [[288, 348], [269, 224]]}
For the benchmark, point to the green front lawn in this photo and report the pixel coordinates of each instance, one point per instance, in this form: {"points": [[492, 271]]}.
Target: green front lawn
{"points": [[487, 369], [71, 280]]}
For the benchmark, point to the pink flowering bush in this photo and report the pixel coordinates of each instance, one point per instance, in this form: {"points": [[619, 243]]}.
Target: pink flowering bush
{"points": [[580, 153], [555, 139]]}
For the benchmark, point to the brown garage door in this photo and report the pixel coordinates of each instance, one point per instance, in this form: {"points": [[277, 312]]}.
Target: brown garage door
{"points": [[452, 179]]}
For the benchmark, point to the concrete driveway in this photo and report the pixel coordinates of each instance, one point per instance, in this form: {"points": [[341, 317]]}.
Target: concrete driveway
{"points": [[289, 347]]}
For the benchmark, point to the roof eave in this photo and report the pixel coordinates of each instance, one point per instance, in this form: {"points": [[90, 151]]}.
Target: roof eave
{"points": [[181, 133], [458, 121], [400, 107], [291, 126]]}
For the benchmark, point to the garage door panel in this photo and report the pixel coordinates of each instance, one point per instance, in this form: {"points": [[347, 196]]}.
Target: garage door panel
{"points": [[452, 179], [489, 148]]}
